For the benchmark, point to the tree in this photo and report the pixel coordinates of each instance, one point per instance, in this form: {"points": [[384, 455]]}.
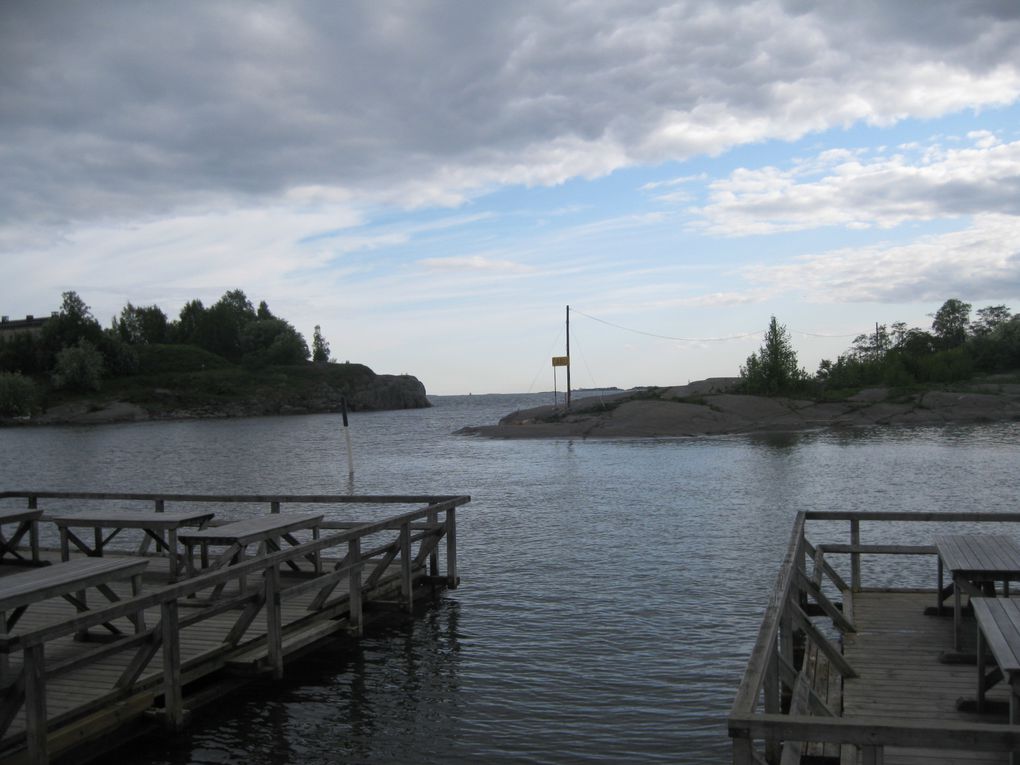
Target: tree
{"points": [[272, 341], [17, 395], [320, 346], [142, 325], [773, 369], [989, 319], [951, 321], [72, 324], [185, 329], [79, 367]]}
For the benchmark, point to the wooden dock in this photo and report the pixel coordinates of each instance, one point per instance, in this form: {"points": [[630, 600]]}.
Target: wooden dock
{"points": [[72, 676], [844, 673]]}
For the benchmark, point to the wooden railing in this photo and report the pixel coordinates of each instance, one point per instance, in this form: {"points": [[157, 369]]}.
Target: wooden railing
{"points": [[364, 554], [776, 710]]}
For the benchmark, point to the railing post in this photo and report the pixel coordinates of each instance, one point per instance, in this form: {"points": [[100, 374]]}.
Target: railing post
{"points": [[173, 693], [274, 620], [872, 755], [35, 704], [354, 586], [773, 702], [855, 557], [406, 583], [433, 519], [743, 749], [452, 579]]}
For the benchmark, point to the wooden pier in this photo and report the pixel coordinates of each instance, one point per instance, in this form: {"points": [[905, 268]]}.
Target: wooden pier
{"points": [[77, 666], [845, 673]]}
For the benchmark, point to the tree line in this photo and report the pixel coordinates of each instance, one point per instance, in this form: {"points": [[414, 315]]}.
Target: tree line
{"points": [[957, 347], [74, 352]]}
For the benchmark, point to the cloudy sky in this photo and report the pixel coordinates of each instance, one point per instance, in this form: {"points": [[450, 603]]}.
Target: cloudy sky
{"points": [[433, 182]]}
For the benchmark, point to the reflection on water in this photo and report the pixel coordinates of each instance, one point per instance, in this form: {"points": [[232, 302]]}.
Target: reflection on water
{"points": [[611, 589]]}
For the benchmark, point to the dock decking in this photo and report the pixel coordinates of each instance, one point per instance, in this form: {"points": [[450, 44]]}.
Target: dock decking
{"points": [[59, 691], [843, 673]]}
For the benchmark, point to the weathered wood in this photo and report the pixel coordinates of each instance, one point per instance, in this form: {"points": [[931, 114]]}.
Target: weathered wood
{"points": [[274, 624], [354, 586], [35, 704], [173, 695], [406, 585], [105, 675], [27, 522], [452, 580]]}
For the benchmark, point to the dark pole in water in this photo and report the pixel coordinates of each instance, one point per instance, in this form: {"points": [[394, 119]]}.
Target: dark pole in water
{"points": [[568, 357], [347, 436]]}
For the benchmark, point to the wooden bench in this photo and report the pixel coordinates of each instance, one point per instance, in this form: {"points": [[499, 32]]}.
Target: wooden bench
{"points": [[69, 581], [28, 523], [998, 621], [975, 562], [153, 524], [267, 531]]}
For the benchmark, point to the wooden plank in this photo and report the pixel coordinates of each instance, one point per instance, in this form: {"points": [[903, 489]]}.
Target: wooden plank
{"points": [[58, 579], [251, 529], [128, 519]]}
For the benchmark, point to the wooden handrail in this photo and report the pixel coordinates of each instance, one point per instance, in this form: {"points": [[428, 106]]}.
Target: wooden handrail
{"points": [[749, 722]]}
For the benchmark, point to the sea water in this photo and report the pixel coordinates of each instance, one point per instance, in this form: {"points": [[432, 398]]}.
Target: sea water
{"points": [[611, 590]]}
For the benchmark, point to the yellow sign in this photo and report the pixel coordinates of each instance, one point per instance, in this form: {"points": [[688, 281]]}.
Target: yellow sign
{"points": [[561, 361]]}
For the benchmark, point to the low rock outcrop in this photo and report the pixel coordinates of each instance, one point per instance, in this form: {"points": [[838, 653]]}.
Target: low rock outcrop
{"points": [[706, 408]]}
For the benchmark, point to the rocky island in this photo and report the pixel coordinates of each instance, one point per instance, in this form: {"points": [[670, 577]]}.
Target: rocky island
{"points": [[710, 407]]}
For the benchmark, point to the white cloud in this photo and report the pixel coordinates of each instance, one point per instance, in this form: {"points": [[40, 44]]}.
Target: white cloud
{"points": [[980, 262], [842, 188], [114, 111], [475, 263]]}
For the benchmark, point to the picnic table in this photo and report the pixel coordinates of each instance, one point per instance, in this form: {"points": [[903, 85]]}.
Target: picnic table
{"points": [[998, 621], [975, 562], [267, 531], [69, 581], [153, 524], [28, 523]]}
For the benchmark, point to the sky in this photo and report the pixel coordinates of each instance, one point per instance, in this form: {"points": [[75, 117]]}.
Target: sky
{"points": [[434, 182]]}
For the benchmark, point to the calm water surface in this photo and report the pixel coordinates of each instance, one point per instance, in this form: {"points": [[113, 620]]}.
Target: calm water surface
{"points": [[611, 590]]}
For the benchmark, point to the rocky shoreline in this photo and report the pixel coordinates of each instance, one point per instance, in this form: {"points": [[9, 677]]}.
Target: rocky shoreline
{"points": [[382, 393], [709, 407]]}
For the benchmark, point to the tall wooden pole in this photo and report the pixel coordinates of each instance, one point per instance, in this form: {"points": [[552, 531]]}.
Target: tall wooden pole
{"points": [[568, 357]]}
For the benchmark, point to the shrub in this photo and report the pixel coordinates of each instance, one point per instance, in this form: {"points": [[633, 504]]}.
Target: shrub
{"points": [[79, 367], [17, 395]]}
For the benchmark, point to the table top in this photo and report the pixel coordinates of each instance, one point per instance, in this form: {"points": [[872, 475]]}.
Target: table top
{"points": [[979, 553], [27, 587], [254, 529], [14, 514], [999, 620], [132, 519]]}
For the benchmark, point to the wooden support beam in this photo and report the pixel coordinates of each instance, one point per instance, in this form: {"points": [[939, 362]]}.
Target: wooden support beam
{"points": [[173, 692], [354, 587], [35, 704], [274, 623], [406, 569]]}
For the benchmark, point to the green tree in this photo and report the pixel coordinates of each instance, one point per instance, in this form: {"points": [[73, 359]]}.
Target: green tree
{"points": [[320, 346], [17, 395], [950, 323], [272, 341], [773, 369], [185, 329], [142, 325], [79, 367], [72, 324], [989, 319]]}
